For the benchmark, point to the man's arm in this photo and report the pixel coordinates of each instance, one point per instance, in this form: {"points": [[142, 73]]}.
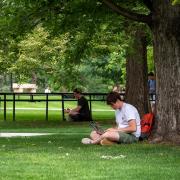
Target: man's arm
{"points": [[73, 111], [76, 109], [130, 129]]}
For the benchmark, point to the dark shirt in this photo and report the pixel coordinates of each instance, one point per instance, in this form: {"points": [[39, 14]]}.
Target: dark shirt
{"points": [[152, 86], [84, 111]]}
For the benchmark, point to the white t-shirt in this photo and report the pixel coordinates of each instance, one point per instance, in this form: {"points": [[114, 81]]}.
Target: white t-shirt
{"points": [[125, 114], [47, 90]]}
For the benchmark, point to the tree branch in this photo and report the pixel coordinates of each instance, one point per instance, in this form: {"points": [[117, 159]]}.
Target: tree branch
{"points": [[129, 14]]}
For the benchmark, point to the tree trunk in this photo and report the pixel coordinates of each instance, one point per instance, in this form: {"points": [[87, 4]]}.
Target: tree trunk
{"points": [[136, 70], [166, 32], [34, 78]]}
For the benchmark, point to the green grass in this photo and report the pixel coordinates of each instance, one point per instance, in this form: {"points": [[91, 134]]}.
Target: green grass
{"points": [[95, 105], [62, 156], [23, 115]]}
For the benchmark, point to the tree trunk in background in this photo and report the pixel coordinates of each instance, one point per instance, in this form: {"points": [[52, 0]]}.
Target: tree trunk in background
{"points": [[166, 32], [11, 82], [34, 78], [136, 71]]}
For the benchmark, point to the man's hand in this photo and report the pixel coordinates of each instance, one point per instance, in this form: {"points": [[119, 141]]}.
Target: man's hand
{"points": [[67, 110]]}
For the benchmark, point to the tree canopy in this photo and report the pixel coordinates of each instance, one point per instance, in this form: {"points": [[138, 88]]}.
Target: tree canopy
{"points": [[59, 40]]}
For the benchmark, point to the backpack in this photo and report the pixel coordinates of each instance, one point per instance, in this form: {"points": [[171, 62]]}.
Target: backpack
{"points": [[147, 123]]}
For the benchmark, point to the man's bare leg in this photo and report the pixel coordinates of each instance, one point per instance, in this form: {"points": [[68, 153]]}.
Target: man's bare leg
{"points": [[94, 135], [109, 135]]}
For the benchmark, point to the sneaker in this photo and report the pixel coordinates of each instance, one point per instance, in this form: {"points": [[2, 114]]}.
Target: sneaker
{"points": [[107, 142], [86, 141]]}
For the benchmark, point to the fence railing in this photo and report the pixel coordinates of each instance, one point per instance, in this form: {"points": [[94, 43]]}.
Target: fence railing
{"points": [[47, 97]]}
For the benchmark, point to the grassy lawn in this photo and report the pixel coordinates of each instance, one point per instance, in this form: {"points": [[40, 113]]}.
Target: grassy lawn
{"points": [[62, 156]]}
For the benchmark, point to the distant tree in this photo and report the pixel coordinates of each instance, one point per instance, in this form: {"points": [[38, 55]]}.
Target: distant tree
{"points": [[136, 73], [87, 31]]}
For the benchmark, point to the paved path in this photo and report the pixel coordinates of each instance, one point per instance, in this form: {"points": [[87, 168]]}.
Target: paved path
{"points": [[23, 134]]}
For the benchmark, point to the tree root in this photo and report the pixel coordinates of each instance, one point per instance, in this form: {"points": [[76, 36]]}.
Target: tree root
{"points": [[172, 138]]}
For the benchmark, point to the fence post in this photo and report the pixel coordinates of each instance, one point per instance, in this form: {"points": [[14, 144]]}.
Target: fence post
{"points": [[4, 107], [90, 106], [63, 117], [47, 106], [14, 111]]}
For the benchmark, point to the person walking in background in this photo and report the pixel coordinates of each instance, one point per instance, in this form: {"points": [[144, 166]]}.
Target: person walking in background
{"points": [[152, 85], [152, 91], [127, 128], [47, 90], [81, 112]]}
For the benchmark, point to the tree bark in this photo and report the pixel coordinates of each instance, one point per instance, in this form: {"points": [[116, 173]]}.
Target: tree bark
{"points": [[136, 70], [166, 34]]}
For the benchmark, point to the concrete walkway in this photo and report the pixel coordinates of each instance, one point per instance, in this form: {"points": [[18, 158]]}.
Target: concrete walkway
{"points": [[23, 134]]}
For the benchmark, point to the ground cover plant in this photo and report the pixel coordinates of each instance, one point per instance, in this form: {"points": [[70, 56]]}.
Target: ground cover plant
{"points": [[62, 156]]}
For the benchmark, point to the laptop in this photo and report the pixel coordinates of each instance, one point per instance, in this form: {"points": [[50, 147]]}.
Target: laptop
{"points": [[97, 128]]}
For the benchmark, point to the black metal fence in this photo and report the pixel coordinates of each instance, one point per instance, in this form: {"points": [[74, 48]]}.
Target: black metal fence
{"points": [[48, 97], [44, 97]]}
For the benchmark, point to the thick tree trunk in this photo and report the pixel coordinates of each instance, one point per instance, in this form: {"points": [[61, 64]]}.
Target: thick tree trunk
{"points": [[166, 32], [136, 70]]}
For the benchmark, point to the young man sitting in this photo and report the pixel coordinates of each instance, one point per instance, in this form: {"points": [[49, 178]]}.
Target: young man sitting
{"points": [[127, 128], [81, 112]]}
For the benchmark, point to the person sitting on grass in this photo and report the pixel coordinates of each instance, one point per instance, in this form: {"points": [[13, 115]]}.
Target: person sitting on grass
{"points": [[128, 127], [81, 112]]}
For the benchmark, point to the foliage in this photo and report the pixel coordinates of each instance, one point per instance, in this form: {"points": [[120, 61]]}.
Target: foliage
{"points": [[175, 2], [59, 43], [150, 59], [65, 43]]}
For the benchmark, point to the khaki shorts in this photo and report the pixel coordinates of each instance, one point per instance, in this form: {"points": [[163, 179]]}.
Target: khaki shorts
{"points": [[127, 138]]}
